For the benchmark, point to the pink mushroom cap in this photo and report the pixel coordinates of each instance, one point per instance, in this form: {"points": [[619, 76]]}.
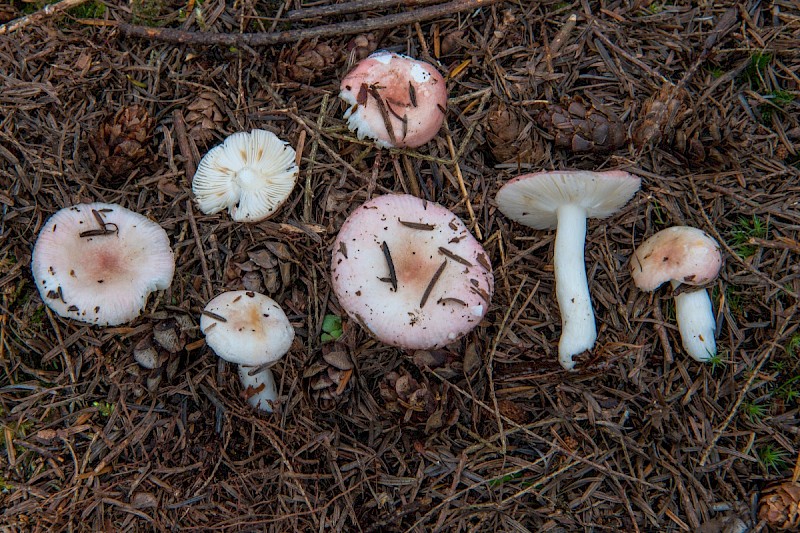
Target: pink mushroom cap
{"points": [[96, 272], [388, 87], [681, 253], [442, 283]]}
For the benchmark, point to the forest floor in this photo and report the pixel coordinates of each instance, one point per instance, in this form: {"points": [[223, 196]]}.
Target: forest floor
{"points": [[639, 438]]}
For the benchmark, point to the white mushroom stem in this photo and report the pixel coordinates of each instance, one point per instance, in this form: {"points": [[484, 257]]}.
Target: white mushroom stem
{"points": [[578, 330], [696, 323], [259, 389]]}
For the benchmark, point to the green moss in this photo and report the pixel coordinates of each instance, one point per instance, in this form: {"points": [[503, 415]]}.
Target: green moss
{"points": [[89, 10], [745, 230], [104, 408], [754, 72], [772, 457]]}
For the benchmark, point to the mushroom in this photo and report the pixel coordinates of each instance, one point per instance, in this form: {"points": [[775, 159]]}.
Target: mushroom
{"points": [[564, 199], [98, 262], [410, 272], [251, 330], [394, 99], [249, 174], [683, 255]]}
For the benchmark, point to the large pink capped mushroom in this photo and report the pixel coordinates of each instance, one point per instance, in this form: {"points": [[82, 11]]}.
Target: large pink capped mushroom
{"points": [[98, 262], [410, 272], [394, 99]]}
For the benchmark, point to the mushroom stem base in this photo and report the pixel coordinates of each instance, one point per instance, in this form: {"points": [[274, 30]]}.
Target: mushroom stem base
{"points": [[259, 389], [578, 330], [696, 323]]}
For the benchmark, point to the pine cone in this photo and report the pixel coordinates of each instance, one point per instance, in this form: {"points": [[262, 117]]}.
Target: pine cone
{"points": [[404, 394], [508, 135], [579, 126], [362, 45], [328, 379], [658, 115], [780, 506], [446, 363], [417, 403], [120, 143], [310, 62], [204, 117]]}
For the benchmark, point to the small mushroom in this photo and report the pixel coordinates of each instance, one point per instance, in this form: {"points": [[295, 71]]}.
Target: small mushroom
{"points": [[394, 99], [683, 255], [249, 174], [251, 330], [98, 262], [564, 199], [410, 272]]}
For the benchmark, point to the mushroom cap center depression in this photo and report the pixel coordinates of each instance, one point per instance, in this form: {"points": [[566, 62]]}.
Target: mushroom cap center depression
{"points": [[104, 260], [250, 179], [248, 319], [413, 266]]}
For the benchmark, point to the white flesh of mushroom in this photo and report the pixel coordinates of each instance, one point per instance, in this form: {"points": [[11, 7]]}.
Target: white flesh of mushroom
{"points": [[696, 323], [259, 389], [565, 199], [578, 330]]}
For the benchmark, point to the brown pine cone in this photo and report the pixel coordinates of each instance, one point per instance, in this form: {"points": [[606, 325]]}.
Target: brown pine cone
{"points": [[581, 127], [309, 62], [328, 379], [508, 135], [446, 363], [658, 114], [120, 143], [780, 506], [362, 45], [405, 395], [204, 117]]}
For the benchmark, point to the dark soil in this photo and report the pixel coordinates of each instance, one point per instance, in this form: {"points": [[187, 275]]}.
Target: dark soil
{"points": [[639, 438]]}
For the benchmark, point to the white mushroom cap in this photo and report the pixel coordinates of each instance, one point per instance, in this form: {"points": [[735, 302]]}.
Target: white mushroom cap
{"points": [[408, 89], [98, 262], [259, 389], [250, 175], [534, 199], [565, 199], [442, 284], [246, 328], [680, 253]]}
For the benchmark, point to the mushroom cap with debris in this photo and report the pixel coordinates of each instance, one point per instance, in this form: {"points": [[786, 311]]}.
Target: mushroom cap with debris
{"points": [[246, 328], [410, 272], [98, 262], [394, 99], [681, 253], [249, 174]]}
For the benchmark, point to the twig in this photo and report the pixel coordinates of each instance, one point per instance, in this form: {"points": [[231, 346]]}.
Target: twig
{"points": [[199, 243], [312, 156], [183, 144], [356, 6], [662, 334], [45, 12], [172, 35], [463, 188], [490, 362]]}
